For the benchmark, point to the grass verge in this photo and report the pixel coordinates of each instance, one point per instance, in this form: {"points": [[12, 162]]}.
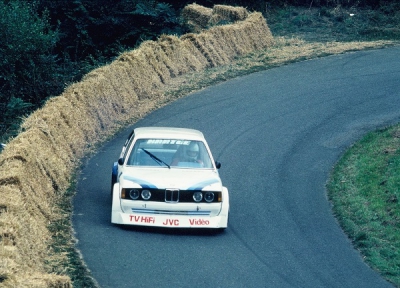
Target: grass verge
{"points": [[365, 191]]}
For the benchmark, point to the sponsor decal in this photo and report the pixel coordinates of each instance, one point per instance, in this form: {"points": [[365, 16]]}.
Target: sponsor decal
{"points": [[199, 222], [142, 219], [171, 222], [168, 141]]}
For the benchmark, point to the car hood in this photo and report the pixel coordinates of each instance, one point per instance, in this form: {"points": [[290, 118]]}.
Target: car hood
{"points": [[164, 178]]}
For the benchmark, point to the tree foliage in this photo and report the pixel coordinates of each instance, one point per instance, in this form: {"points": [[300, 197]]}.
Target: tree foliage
{"points": [[28, 67]]}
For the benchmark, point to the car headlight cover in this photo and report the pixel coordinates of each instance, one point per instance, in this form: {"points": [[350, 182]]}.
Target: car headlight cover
{"points": [[146, 194], [134, 194], [197, 196], [209, 197]]}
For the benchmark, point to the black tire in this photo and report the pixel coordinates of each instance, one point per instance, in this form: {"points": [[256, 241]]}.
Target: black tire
{"points": [[113, 180]]}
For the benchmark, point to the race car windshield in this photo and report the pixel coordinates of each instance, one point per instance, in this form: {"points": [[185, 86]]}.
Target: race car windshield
{"points": [[158, 160], [169, 153]]}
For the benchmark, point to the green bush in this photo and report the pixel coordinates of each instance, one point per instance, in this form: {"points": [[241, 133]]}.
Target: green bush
{"points": [[28, 69]]}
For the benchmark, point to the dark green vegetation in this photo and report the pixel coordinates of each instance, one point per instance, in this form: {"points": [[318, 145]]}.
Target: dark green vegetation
{"points": [[48, 44], [365, 192]]}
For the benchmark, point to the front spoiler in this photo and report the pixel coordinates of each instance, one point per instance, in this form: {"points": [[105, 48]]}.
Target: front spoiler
{"points": [[170, 221]]}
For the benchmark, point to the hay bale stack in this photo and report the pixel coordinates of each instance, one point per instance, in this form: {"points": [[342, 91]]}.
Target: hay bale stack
{"points": [[223, 14], [38, 280], [24, 243], [146, 76], [244, 37], [196, 17], [221, 44], [182, 56], [199, 18], [36, 166]]}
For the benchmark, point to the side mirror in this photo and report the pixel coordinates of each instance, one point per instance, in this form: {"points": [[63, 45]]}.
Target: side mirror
{"points": [[121, 161], [217, 164]]}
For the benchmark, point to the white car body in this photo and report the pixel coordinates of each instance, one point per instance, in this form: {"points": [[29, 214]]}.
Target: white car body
{"points": [[182, 195]]}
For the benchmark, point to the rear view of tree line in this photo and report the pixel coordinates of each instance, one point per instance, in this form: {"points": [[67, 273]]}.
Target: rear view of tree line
{"points": [[47, 44]]}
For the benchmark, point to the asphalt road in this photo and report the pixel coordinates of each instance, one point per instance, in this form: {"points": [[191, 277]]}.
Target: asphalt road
{"points": [[277, 133]]}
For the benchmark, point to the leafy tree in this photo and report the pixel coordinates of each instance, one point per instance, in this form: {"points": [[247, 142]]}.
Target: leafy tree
{"points": [[28, 69], [102, 29]]}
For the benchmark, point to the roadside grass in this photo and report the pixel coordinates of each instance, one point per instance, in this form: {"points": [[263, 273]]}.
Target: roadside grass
{"points": [[365, 192], [69, 261], [370, 219]]}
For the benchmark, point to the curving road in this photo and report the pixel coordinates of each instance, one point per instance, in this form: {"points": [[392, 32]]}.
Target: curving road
{"points": [[277, 133]]}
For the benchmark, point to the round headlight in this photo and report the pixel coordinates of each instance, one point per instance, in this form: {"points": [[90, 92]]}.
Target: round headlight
{"points": [[146, 194], [197, 196], [134, 194], [209, 197]]}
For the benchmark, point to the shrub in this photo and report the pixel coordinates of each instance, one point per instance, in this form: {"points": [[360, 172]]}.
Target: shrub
{"points": [[27, 67]]}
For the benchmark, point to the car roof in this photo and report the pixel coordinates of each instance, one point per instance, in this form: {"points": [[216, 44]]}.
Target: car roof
{"points": [[168, 133]]}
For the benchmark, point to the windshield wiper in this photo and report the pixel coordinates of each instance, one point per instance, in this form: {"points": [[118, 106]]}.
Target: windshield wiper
{"points": [[155, 158]]}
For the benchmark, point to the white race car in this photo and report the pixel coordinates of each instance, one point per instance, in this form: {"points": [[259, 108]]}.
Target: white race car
{"points": [[167, 177]]}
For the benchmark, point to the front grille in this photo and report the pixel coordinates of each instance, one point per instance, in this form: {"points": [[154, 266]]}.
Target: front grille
{"points": [[171, 195]]}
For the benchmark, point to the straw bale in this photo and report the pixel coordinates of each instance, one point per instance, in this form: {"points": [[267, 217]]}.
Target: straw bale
{"points": [[176, 56], [23, 233], [9, 233], [56, 119], [8, 266], [155, 56], [196, 60], [172, 55], [32, 279], [10, 200], [256, 29], [147, 66], [68, 132], [35, 190], [196, 16], [112, 85], [96, 116], [217, 46], [146, 78], [24, 244], [30, 237], [43, 280], [230, 14], [34, 173], [135, 82], [44, 158], [124, 84], [123, 101], [230, 47], [82, 115], [246, 36], [104, 97], [203, 42], [11, 168], [241, 39]]}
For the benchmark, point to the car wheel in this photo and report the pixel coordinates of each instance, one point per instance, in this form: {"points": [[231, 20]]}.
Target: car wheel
{"points": [[113, 180]]}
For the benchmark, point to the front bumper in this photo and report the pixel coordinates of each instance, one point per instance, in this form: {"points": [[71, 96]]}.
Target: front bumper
{"points": [[170, 215]]}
